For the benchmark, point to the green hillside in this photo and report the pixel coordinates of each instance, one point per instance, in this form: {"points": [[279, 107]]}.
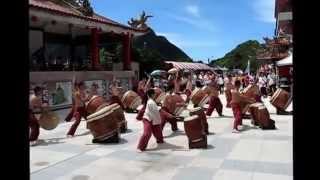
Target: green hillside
{"points": [[239, 56], [161, 46]]}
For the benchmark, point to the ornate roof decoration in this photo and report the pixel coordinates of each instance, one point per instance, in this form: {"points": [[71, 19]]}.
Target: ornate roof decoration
{"points": [[141, 22], [275, 49]]}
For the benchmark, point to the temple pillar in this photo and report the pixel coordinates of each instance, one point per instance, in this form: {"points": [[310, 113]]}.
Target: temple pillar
{"points": [[95, 49], [127, 52]]}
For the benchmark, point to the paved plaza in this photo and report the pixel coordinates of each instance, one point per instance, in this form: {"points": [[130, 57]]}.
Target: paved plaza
{"points": [[253, 154]]}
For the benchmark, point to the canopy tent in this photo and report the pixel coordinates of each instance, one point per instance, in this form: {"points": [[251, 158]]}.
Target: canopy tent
{"points": [[286, 61], [218, 68], [190, 66]]}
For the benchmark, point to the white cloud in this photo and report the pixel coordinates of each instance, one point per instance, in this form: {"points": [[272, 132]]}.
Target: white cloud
{"points": [[199, 23], [264, 10], [183, 42], [193, 10]]}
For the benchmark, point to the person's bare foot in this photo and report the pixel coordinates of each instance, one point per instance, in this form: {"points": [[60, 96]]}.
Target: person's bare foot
{"points": [[235, 131], [33, 143], [70, 136], [139, 151]]}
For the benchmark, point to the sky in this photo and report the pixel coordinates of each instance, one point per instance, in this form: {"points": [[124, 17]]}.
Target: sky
{"points": [[201, 28]]}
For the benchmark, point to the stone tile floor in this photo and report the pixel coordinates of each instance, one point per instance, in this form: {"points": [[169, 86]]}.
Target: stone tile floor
{"points": [[253, 154]]}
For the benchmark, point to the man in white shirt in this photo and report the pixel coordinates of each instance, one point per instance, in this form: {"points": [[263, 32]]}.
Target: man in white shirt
{"points": [[272, 82], [221, 84], [262, 82], [151, 122]]}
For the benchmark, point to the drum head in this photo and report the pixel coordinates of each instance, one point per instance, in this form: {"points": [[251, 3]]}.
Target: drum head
{"points": [[49, 120], [191, 118]]}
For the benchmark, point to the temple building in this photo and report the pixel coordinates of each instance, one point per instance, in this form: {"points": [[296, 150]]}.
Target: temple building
{"points": [[69, 42], [283, 15], [277, 52]]}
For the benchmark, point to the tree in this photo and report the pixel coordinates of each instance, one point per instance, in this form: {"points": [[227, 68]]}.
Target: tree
{"points": [[239, 56]]}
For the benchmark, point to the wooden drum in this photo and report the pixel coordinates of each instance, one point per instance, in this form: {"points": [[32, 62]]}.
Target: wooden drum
{"points": [[202, 115], [263, 116], [253, 109], [131, 100], [174, 104], [244, 106], [194, 131], [48, 120], [119, 115], [96, 102], [251, 91], [260, 115], [103, 124], [281, 99], [199, 97]]}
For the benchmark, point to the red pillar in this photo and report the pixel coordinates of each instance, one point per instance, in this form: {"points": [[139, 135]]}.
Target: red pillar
{"points": [[95, 49], [127, 52]]}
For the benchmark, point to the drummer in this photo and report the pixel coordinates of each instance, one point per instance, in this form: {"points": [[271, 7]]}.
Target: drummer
{"points": [[93, 92], [228, 88], [115, 93], [166, 116], [214, 102], [188, 89], [236, 108], [35, 107], [141, 88], [197, 87], [177, 83], [257, 93], [80, 97], [151, 122]]}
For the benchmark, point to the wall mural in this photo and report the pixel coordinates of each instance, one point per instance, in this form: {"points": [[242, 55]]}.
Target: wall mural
{"points": [[55, 93], [97, 85]]}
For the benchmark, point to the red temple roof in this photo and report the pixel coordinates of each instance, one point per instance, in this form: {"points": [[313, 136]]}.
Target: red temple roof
{"points": [[60, 8]]}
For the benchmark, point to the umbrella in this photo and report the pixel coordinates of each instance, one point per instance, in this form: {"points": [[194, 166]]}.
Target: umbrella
{"points": [[158, 73]]}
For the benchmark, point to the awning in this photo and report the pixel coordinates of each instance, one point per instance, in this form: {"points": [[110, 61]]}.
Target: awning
{"points": [[222, 68], [190, 66], [286, 61]]}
